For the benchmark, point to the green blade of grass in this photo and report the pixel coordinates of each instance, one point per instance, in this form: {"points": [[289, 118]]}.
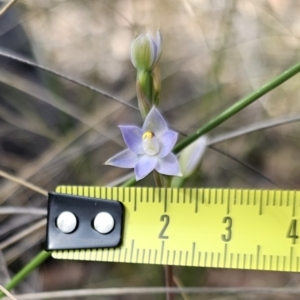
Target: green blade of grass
{"points": [[33, 264], [238, 106]]}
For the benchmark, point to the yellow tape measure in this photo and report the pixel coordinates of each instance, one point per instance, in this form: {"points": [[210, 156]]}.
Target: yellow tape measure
{"points": [[223, 228]]}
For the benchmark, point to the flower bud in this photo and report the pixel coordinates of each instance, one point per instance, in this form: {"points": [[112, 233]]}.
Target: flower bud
{"points": [[191, 156], [146, 51]]}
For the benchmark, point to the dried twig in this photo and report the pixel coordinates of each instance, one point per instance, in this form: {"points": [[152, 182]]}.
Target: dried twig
{"points": [[252, 128], [157, 290], [23, 233], [179, 285], [24, 183], [7, 7], [66, 77], [11, 210], [7, 293]]}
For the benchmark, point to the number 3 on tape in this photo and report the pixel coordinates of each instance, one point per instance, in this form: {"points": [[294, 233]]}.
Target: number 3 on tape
{"points": [[223, 228]]}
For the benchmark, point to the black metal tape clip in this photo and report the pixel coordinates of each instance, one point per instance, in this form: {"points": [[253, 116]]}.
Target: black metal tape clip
{"points": [[76, 222]]}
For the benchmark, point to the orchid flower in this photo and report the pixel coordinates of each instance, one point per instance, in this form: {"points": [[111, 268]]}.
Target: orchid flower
{"points": [[149, 148]]}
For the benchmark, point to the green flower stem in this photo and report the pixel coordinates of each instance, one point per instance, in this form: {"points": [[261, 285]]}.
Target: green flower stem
{"points": [[130, 182], [161, 182], [146, 82], [34, 263], [158, 179], [178, 182], [238, 106]]}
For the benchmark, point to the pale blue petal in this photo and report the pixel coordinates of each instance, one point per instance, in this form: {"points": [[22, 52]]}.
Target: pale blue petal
{"points": [[168, 165], [155, 123], [132, 136], [167, 142], [191, 156], [124, 159], [153, 49], [158, 44], [145, 165]]}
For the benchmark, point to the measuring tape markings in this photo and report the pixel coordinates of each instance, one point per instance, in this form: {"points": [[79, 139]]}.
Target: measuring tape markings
{"points": [[245, 229]]}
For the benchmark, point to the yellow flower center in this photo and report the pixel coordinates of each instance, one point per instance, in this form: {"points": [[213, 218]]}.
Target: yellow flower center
{"points": [[150, 143], [148, 135]]}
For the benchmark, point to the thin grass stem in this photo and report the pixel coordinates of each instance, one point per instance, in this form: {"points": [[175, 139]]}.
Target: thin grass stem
{"points": [[245, 165], [7, 7], [20, 235], [252, 128], [33, 264], [238, 106], [72, 294], [7, 293], [66, 77], [24, 183], [9, 210]]}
